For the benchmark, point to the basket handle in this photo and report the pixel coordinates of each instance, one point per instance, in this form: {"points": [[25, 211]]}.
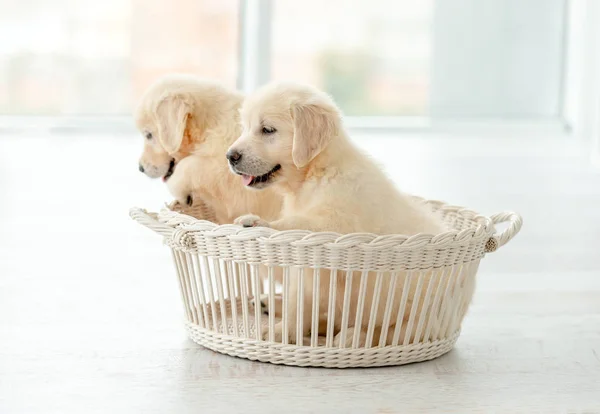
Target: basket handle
{"points": [[499, 240], [150, 220]]}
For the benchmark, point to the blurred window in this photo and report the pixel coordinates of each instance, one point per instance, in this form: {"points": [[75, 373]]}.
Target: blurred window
{"points": [[441, 58], [89, 57], [446, 58]]}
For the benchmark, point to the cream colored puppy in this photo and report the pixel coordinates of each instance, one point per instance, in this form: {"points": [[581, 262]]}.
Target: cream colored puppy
{"points": [[293, 141], [188, 124]]}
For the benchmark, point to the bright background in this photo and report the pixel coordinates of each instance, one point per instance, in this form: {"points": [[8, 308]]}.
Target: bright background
{"points": [[490, 104], [494, 60]]}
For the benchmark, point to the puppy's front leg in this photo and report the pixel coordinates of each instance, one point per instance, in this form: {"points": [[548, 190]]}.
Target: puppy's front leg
{"points": [[180, 184], [287, 223]]}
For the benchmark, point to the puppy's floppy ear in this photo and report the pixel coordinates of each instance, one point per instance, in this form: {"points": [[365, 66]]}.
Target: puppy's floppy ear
{"points": [[172, 115], [315, 124]]}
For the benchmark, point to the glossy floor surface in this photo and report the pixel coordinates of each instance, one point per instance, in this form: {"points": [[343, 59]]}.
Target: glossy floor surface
{"points": [[90, 319]]}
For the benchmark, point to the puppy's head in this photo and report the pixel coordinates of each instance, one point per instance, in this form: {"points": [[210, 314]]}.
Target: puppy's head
{"points": [[171, 116], [285, 126]]}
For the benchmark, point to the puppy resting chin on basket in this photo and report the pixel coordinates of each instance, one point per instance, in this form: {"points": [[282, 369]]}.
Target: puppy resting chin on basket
{"points": [[293, 142]]}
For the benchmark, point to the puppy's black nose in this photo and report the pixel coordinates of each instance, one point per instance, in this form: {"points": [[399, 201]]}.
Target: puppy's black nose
{"points": [[141, 168], [234, 157]]}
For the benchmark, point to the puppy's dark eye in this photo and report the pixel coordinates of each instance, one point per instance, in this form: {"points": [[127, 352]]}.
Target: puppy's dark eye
{"points": [[268, 130], [148, 135]]}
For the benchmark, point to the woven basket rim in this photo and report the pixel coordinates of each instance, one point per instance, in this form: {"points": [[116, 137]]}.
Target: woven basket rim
{"points": [[185, 226]]}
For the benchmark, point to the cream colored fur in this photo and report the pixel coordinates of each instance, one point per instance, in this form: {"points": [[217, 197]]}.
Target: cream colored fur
{"points": [[327, 185], [193, 122]]}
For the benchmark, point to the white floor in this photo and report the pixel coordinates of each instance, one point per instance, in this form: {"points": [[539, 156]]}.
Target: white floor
{"points": [[90, 319]]}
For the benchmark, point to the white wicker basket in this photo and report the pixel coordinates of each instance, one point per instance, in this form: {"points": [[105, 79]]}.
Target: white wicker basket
{"points": [[413, 292]]}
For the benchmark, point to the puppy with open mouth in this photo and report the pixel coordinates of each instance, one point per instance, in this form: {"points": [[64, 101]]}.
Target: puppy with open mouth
{"points": [[256, 181], [293, 141], [187, 124]]}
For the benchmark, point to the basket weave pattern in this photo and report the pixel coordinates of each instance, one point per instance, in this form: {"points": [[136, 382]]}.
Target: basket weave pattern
{"points": [[410, 294]]}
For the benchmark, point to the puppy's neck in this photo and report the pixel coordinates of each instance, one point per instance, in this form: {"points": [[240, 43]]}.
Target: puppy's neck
{"points": [[331, 163]]}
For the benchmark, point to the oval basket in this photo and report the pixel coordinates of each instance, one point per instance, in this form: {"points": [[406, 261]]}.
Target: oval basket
{"points": [[407, 296]]}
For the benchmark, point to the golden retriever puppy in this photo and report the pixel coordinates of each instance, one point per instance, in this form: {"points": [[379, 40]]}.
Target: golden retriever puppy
{"points": [[188, 124], [293, 141]]}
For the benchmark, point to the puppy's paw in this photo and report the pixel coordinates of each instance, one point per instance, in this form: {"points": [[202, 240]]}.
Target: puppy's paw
{"points": [[346, 342], [277, 333], [250, 220], [263, 300], [180, 189], [265, 308]]}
